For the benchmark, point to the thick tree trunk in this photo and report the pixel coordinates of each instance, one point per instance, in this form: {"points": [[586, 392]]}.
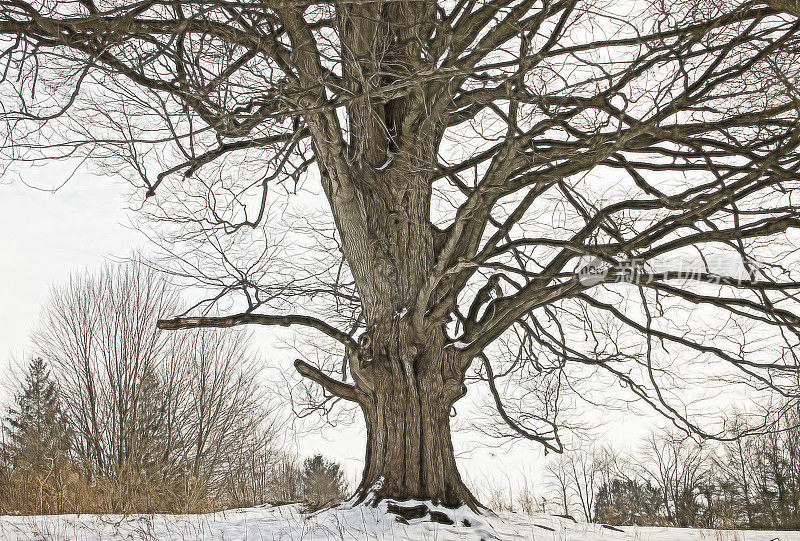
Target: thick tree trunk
{"points": [[406, 381], [409, 451]]}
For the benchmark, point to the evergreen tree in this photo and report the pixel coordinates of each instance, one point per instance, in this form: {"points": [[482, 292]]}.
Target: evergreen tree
{"points": [[626, 502], [37, 432], [322, 481]]}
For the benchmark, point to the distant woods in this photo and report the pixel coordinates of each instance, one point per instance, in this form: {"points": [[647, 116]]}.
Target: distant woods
{"points": [[749, 482], [112, 415]]}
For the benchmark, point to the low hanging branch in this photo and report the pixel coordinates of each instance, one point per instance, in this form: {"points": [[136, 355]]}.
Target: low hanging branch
{"points": [[259, 319], [338, 388]]}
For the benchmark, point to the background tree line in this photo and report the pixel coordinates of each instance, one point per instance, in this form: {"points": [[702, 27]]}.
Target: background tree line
{"points": [[748, 482], [112, 415]]}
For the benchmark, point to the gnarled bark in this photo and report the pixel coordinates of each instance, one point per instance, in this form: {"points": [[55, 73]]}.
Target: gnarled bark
{"points": [[406, 386], [409, 449]]}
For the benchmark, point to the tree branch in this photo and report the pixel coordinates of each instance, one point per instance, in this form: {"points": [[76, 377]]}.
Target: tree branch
{"points": [[258, 319], [338, 388]]}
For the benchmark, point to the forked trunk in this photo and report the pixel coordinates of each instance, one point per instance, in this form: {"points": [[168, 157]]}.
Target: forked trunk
{"points": [[406, 380]]}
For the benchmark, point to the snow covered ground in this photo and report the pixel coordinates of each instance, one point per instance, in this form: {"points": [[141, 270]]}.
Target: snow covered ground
{"points": [[343, 524]]}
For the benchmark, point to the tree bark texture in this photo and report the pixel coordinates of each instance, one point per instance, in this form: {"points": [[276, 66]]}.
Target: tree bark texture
{"points": [[407, 413]]}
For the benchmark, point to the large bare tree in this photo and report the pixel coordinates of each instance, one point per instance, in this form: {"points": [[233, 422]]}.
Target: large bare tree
{"points": [[533, 173]]}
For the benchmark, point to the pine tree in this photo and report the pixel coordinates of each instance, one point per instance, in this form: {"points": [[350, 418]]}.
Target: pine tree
{"points": [[37, 432], [322, 481], [627, 502]]}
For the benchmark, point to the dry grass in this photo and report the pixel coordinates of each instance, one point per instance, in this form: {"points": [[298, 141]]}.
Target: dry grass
{"points": [[67, 491]]}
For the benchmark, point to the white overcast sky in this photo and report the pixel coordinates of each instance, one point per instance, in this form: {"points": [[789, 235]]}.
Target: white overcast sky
{"points": [[45, 236]]}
